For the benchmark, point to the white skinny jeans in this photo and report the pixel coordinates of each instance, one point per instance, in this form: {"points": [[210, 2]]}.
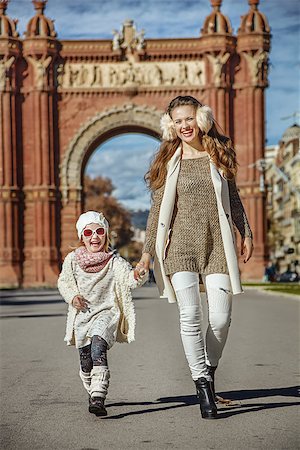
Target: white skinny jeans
{"points": [[219, 298]]}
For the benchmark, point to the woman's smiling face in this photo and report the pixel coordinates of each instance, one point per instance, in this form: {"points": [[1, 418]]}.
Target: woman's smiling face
{"points": [[184, 118], [96, 241]]}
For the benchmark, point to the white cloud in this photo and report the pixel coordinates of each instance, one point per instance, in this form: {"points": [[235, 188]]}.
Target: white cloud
{"points": [[125, 160]]}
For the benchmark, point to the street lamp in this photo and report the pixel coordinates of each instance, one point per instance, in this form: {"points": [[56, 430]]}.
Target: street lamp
{"points": [[261, 165]]}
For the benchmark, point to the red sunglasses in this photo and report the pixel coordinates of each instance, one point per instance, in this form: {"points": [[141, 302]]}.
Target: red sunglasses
{"points": [[87, 232]]}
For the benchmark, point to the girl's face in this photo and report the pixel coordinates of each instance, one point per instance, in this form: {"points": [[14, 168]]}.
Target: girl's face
{"points": [[184, 118], [94, 237]]}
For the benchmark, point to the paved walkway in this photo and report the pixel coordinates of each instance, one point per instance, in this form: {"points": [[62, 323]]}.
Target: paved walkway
{"points": [[151, 402]]}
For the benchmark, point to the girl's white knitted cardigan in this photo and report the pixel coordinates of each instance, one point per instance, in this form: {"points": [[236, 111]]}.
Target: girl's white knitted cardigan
{"points": [[124, 282]]}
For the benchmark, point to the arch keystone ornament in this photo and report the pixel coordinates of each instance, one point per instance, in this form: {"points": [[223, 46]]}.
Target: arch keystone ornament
{"points": [[59, 100]]}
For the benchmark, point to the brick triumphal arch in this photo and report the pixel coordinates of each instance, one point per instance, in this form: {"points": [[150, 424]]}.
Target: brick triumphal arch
{"points": [[59, 99]]}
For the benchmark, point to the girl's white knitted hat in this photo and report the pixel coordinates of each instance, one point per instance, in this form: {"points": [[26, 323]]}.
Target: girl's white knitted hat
{"points": [[90, 217]]}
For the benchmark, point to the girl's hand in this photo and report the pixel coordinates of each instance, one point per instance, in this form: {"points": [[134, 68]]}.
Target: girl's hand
{"points": [[139, 271], [247, 248], [79, 303]]}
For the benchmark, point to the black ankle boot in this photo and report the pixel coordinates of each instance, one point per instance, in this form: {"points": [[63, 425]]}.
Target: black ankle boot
{"points": [[96, 406], [207, 403], [211, 371]]}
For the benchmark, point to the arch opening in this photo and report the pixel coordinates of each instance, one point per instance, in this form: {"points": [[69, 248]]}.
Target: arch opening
{"points": [[109, 123], [113, 183]]}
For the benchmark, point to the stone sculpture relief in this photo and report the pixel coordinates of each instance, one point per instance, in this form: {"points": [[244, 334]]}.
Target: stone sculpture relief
{"points": [[128, 74], [258, 65], [40, 70], [5, 65], [218, 64]]}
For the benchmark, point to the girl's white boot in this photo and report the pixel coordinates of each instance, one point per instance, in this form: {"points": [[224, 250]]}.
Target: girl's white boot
{"points": [[98, 390], [86, 379]]}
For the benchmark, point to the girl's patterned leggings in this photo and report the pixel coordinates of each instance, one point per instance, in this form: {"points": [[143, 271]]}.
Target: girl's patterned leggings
{"points": [[94, 354]]}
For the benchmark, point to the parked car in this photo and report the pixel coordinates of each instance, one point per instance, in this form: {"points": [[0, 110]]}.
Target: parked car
{"points": [[288, 276]]}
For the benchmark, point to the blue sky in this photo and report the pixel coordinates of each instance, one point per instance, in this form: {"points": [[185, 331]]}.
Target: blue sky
{"points": [[95, 19], [135, 151]]}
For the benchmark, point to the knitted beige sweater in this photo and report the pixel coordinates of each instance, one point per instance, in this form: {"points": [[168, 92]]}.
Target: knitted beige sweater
{"points": [[195, 241]]}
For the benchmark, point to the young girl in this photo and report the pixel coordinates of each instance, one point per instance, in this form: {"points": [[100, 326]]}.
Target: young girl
{"points": [[97, 283]]}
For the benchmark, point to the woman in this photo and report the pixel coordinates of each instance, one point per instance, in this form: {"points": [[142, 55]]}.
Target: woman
{"points": [[190, 233]]}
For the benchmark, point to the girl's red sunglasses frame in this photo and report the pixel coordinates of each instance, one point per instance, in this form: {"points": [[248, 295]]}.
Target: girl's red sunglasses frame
{"points": [[87, 232]]}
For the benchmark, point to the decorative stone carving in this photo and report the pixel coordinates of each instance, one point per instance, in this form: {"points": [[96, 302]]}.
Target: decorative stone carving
{"points": [[59, 71], [5, 65], [128, 40], [218, 64], [40, 67], [258, 65], [128, 74], [117, 40], [140, 40]]}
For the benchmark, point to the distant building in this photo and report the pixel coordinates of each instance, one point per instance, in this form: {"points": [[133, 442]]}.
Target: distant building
{"points": [[270, 153], [138, 235], [283, 201], [139, 222]]}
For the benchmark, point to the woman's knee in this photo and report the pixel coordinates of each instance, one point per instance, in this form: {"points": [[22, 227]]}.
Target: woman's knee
{"points": [[186, 286], [219, 321], [189, 305], [190, 319], [218, 292]]}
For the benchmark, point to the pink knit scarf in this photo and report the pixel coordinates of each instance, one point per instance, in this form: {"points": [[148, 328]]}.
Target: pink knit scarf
{"points": [[91, 262]]}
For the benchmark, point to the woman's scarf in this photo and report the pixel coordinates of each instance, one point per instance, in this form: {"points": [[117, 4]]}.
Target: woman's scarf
{"points": [[91, 262]]}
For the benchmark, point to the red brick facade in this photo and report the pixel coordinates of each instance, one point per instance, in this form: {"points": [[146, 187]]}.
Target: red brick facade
{"points": [[60, 99]]}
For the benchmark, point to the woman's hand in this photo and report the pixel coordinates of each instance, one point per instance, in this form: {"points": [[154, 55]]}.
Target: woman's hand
{"points": [[145, 261], [247, 248], [79, 303], [139, 272], [142, 266]]}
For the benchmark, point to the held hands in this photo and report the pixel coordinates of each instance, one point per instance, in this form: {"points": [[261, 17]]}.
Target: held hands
{"points": [[139, 272], [142, 266], [79, 303], [247, 248]]}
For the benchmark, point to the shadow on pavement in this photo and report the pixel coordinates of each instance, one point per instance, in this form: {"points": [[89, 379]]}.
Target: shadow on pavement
{"points": [[31, 316], [223, 412], [186, 401], [7, 302], [292, 391], [253, 407]]}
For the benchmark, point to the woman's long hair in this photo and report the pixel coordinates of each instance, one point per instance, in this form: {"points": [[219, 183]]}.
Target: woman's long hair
{"points": [[218, 146]]}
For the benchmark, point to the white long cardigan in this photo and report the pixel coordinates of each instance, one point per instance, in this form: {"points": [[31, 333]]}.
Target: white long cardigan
{"points": [[124, 283], [163, 229]]}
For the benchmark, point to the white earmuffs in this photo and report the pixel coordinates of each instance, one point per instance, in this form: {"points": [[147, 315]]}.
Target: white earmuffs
{"points": [[204, 119], [167, 127]]}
